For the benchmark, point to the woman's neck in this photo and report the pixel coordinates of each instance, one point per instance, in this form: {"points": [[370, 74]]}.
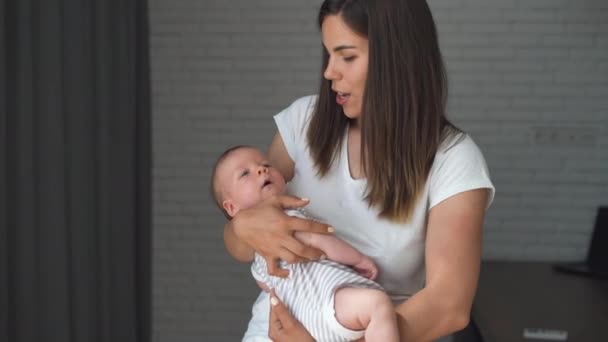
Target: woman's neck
{"points": [[354, 152]]}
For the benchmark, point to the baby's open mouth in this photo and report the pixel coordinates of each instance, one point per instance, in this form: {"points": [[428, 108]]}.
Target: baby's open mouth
{"points": [[267, 182]]}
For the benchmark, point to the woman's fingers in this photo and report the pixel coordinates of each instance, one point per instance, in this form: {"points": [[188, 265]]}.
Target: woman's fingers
{"points": [[279, 315], [300, 251], [300, 224], [282, 326], [275, 325], [291, 202], [269, 231], [274, 269]]}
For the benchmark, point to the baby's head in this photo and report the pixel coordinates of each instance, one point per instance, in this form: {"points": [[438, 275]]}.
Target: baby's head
{"points": [[242, 177]]}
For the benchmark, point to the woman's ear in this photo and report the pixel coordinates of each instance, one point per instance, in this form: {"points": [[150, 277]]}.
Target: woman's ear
{"points": [[230, 208]]}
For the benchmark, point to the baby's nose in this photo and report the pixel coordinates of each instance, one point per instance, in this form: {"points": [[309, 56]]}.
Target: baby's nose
{"points": [[262, 170]]}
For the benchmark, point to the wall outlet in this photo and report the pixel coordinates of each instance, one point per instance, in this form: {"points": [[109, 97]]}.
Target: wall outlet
{"points": [[557, 136]]}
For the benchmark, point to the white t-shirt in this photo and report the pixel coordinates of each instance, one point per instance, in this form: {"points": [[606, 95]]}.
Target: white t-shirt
{"points": [[337, 199]]}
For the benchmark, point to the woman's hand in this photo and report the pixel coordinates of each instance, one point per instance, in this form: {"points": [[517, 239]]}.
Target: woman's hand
{"points": [[269, 231], [283, 327]]}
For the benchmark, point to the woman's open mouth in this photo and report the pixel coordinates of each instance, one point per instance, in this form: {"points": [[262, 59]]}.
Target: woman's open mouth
{"points": [[342, 98]]}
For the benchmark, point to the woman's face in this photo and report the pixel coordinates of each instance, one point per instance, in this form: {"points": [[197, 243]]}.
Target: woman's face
{"points": [[347, 65]]}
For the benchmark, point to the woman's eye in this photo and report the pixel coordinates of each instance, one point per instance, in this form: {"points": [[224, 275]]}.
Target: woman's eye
{"points": [[349, 59]]}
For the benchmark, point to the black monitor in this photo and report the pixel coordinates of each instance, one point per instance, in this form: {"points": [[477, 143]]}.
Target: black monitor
{"points": [[596, 264]]}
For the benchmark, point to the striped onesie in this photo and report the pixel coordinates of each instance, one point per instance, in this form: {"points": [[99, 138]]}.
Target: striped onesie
{"points": [[309, 292]]}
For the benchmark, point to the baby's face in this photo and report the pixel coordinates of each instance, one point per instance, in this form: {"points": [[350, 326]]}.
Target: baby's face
{"points": [[245, 178]]}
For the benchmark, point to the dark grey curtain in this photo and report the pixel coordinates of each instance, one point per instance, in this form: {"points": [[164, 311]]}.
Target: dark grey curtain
{"points": [[74, 171]]}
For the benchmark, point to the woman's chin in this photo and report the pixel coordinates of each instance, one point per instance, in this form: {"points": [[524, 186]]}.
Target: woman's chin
{"points": [[351, 114]]}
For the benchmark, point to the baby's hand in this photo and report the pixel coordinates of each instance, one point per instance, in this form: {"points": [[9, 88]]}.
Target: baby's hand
{"points": [[367, 268]]}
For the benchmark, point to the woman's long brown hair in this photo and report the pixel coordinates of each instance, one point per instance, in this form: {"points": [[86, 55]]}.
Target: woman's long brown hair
{"points": [[403, 119]]}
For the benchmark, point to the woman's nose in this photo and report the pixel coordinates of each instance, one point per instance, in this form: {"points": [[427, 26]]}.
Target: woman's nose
{"points": [[330, 72]]}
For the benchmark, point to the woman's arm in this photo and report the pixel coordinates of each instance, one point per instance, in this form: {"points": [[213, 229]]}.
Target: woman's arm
{"points": [[453, 256]]}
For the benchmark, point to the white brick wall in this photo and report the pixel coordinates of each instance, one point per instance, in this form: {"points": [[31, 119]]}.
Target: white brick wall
{"points": [[528, 80]]}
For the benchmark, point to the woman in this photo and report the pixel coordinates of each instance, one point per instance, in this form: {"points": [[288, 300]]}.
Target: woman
{"points": [[377, 159]]}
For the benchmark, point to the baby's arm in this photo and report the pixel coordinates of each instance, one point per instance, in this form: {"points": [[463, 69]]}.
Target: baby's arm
{"points": [[340, 251]]}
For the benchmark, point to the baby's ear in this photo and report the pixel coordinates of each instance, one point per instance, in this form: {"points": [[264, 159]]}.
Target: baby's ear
{"points": [[230, 208]]}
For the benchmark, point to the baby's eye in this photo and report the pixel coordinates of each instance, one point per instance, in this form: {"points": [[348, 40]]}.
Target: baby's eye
{"points": [[244, 173], [266, 165]]}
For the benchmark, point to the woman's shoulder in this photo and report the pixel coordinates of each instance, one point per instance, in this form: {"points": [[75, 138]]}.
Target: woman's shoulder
{"points": [[292, 122], [459, 144], [458, 151], [303, 106], [297, 114], [459, 166]]}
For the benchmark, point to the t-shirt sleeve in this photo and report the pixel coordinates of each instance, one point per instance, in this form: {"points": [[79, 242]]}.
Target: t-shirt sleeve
{"points": [[458, 168], [292, 122]]}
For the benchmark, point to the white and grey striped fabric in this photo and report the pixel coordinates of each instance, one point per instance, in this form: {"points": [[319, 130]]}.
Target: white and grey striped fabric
{"points": [[309, 291]]}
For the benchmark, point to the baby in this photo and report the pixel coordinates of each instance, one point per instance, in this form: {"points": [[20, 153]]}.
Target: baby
{"points": [[333, 301]]}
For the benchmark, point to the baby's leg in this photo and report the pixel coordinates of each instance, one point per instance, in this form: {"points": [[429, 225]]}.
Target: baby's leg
{"points": [[369, 309]]}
